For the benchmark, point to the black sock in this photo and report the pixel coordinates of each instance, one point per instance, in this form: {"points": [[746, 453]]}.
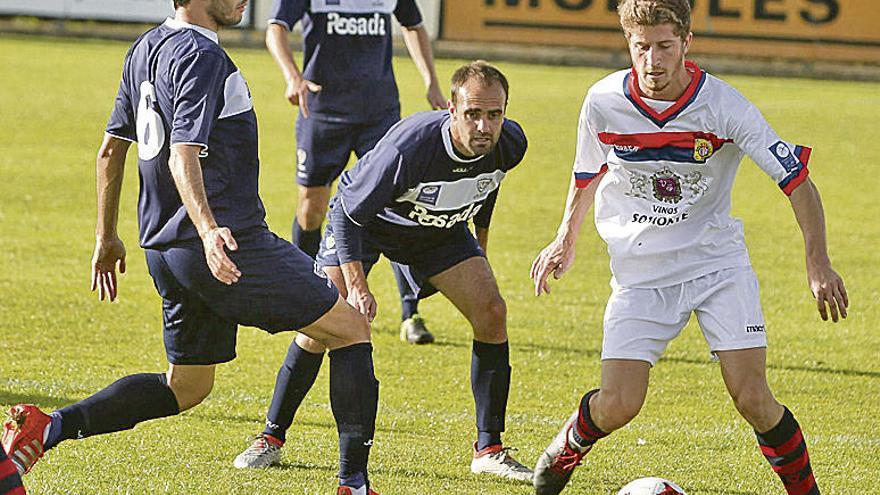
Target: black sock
{"points": [[586, 433], [125, 403], [409, 302], [490, 382], [309, 241], [294, 380], [786, 451], [354, 397]]}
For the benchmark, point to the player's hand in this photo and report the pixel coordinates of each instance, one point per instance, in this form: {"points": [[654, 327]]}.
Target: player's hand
{"points": [[554, 259], [108, 253], [435, 97], [828, 289], [362, 299], [297, 92], [215, 242]]}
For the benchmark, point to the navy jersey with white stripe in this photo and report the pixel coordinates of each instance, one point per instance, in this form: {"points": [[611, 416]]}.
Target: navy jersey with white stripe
{"points": [[179, 87], [347, 50], [414, 186]]}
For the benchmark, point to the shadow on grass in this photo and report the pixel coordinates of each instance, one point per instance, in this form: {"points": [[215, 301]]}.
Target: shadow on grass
{"points": [[410, 473], [699, 362], [43, 401], [258, 424]]}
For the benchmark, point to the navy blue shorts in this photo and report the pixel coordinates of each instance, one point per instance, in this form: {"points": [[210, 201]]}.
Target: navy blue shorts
{"points": [[279, 289], [419, 259], [323, 148]]}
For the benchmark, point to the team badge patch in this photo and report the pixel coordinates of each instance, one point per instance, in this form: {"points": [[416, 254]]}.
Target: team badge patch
{"points": [[483, 184], [667, 186], [784, 156], [429, 195], [703, 149]]}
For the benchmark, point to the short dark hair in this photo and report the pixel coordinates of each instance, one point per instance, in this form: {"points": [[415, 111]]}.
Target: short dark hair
{"points": [[180, 3], [655, 12], [481, 70]]}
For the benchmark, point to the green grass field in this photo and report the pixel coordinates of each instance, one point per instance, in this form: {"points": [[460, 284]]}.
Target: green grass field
{"points": [[60, 345]]}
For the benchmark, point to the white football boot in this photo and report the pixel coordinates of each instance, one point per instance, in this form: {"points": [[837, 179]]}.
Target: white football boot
{"points": [[264, 452], [497, 460]]}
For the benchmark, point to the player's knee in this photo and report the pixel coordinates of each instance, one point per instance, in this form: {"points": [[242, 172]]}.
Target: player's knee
{"points": [[754, 403], [618, 409], [309, 344], [490, 324], [312, 216], [190, 389]]}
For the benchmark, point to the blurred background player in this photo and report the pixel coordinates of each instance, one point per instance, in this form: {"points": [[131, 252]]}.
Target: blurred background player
{"points": [[659, 146], [210, 254], [348, 99], [411, 199]]}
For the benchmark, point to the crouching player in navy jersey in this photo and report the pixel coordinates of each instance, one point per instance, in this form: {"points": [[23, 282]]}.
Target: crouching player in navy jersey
{"points": [[411, 199], [659, 147], [209, 251]]}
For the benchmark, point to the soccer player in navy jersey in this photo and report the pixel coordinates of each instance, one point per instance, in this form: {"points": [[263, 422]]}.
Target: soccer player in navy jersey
{"points": [[410, 198], [348, 99], [659, 147], [212, 258]]}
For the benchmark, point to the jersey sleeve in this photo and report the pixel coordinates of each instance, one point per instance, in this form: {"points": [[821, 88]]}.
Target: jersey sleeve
{"points": [[514, 144], [784, 162], [122, 123], [591, 155], [287, 12], [199, 82], [407, 13], [371, 183]]}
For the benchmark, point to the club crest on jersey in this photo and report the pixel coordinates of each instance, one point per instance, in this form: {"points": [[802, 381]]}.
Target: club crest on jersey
{"points": [[429, 195], [667, 186], [483, 184], [703, 149], [784, 156]]}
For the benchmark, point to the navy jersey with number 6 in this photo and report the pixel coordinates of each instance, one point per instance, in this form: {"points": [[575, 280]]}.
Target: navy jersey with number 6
{"points": [[179, 87], [347, 50], [413, 188]]}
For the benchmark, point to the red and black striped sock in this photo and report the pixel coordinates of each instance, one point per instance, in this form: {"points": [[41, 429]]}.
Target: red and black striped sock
{"points": [[786, 451], [10, 481], [586, 433]]}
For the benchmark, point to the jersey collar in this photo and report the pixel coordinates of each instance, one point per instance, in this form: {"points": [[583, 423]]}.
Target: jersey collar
{"points": [[446, 132], [207, 33], [631, 90]]}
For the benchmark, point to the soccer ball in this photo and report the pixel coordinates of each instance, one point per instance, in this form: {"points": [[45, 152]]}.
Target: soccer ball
{"points": [[651, 486]]}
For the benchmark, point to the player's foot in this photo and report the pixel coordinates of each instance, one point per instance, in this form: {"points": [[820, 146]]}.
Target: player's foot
{"points": [[264, 452], [496, 460], [347, 490], [23, 435], [414, 331], [558, 461]]}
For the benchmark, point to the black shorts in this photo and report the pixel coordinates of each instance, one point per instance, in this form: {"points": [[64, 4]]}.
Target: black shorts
{"points": [[323, 148], [279, 289], [418, 261]]}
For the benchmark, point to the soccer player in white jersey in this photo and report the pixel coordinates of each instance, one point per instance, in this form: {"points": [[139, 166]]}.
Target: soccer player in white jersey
{"points": [[658, 148]]}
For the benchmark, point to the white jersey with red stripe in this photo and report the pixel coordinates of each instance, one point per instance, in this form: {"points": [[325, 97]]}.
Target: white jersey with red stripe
{"points": [[663, 204]]}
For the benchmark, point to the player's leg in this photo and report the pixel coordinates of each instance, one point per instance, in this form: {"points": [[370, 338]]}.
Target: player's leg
{"points": [[323, 149], [778, 432], [729, 312], [471, 287], [10, 480], [196, 338], [638, 325]]}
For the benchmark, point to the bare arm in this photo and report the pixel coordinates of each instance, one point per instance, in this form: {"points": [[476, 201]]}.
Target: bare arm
{"points": [[482, 234], [187, 172], [825, 284], [109, 249], [559, 255], [297, 88], [418, 44], [359, 294]]}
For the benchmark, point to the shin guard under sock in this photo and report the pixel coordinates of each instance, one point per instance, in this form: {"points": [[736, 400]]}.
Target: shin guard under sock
{"points": [[125, 403], [786, 451], [585, 432], [354, 398], [295, 378], [490, 383]]}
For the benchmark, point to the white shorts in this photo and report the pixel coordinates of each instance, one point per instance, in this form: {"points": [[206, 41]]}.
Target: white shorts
{"points": [[639, 323]]}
